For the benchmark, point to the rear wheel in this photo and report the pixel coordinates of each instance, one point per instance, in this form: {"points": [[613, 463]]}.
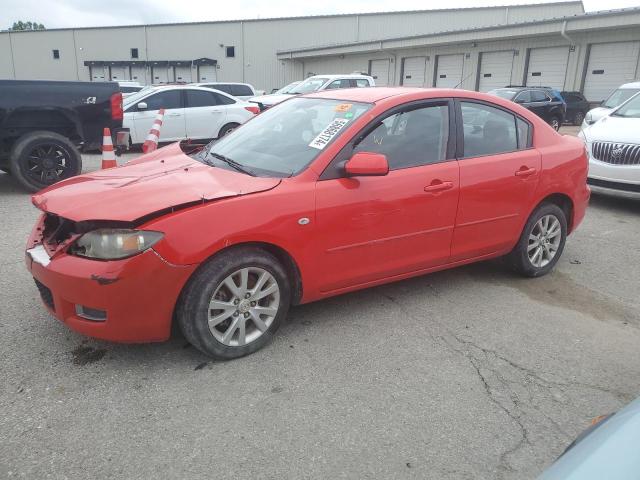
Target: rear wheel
{"points": [[39, 159], [555, 123], [541, 243], [229, 127], [578, 118], [234, 303]]}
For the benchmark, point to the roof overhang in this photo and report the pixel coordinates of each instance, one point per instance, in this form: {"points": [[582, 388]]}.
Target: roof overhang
{"points": [[624, 18]]}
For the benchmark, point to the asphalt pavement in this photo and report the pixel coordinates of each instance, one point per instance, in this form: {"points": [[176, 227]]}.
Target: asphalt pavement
{"points": [[472, 373]]}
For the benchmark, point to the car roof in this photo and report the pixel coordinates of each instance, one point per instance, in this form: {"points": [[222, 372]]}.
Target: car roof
{"points": [[631, 85], [339, 75], [157, 88], [375, 94], [197, 84]]}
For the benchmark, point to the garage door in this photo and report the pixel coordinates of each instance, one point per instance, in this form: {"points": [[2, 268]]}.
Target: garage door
{"points": [[99, 74], [206, 73], [119, 73], [414, 71], [159, 74], [547, 67], [379, 70], [610, 65], [495, 70], [449, 71], [139, 74], [183, 74]]}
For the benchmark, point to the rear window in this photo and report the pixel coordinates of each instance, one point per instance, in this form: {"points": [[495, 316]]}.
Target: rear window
{"points": [[241, 90]]}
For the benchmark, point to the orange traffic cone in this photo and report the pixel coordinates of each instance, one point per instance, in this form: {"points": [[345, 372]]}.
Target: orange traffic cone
{"points": [[108, 155], [151, 143]]}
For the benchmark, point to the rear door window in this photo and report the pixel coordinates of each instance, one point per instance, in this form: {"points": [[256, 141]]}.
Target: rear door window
{"points": [[361, 82], [200, 98], [488, 130]]}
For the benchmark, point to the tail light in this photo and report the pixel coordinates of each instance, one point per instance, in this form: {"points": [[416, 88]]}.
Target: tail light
{"points": [[255, 110], [116, 106]]}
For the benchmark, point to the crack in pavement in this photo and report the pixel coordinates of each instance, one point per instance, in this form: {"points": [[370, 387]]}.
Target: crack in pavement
{"points": [[517, 391]]}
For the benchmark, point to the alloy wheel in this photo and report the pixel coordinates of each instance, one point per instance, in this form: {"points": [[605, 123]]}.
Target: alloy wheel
{"points": [[47, 164], [244, 306], [544, 241]]}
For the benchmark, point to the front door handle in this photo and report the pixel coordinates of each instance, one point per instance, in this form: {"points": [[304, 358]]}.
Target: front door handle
{"points": [[174, 114], [525, 172], [438, 186]]}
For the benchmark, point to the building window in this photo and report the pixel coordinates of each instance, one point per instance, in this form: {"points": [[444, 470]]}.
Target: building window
{"points": [[231, 52], [134, 53], [56, 54]]}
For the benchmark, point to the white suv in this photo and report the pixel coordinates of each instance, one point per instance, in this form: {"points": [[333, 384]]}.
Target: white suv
{"points": [[315, 84], [617, 98]]}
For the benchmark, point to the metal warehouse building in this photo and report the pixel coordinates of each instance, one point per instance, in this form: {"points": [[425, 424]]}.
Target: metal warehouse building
{"points": [[554, 44]]}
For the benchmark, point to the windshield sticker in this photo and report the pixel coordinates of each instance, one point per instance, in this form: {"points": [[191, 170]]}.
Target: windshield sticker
{"points": [[343, 107], [326, 135], [348, 115]]}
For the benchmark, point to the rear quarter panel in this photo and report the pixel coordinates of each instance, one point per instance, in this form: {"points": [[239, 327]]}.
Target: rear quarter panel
{"points": [[564, 171]]}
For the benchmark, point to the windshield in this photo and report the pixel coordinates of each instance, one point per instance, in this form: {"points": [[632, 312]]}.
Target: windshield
{"points": [[285, 139], [504, 93], [619, 97], [286, 89], [631, 109], [309, 85]]}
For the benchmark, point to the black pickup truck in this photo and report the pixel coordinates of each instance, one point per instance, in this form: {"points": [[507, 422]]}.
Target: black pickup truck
{"points": [[45, 124]]}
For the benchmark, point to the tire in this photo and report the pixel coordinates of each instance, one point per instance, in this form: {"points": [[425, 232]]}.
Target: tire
{"points": [[521, 257], [208, 287], [227, 128], [57, 159], [578, 118], [555, 123]]}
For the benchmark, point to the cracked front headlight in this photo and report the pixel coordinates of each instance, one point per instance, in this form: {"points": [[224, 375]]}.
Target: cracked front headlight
{"points": [[114, 243]]}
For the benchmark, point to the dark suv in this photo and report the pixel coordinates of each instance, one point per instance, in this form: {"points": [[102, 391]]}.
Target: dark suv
{"points": [[577, 107], [545, 102]]}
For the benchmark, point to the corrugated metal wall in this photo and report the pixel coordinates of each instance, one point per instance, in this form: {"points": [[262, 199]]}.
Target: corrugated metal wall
{"points": [[256, 42]]}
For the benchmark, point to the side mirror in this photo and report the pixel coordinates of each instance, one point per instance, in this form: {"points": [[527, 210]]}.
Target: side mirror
{"points": [[367, 164], [142, 106]]}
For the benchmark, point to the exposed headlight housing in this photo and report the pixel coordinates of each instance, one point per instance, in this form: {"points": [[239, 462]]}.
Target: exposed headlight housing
{"points": [[114, 243]]}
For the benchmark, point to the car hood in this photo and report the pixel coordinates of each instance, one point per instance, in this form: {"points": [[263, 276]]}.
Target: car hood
{"points": [[152, 183], [614, 129], [271, 99]]}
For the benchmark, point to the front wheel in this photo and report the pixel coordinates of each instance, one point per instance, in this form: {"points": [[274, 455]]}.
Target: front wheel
{"points": [[234, 303], [541, 243]]}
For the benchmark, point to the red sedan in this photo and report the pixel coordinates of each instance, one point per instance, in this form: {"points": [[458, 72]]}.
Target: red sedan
{"points": [[318, 196]]}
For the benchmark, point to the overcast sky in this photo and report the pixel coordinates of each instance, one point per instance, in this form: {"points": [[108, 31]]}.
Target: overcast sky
{"points": [[87, 13]]}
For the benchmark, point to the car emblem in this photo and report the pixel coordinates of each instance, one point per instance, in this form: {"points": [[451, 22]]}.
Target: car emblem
{"points": [[617, 152]]}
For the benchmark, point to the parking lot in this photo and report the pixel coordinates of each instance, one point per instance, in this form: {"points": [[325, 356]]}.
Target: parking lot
{"points": [[470, 373]]}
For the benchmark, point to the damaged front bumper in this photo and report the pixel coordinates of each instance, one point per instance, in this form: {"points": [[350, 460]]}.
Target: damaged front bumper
{"points": [[130, 300]]}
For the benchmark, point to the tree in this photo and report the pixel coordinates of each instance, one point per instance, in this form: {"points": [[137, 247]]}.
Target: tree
{"points": [[20, 25]]}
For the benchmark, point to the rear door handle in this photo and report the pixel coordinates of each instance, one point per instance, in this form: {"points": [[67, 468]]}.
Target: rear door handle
{"points": [[216, 111], [174, 115], [438, 186], [525, 172]]}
